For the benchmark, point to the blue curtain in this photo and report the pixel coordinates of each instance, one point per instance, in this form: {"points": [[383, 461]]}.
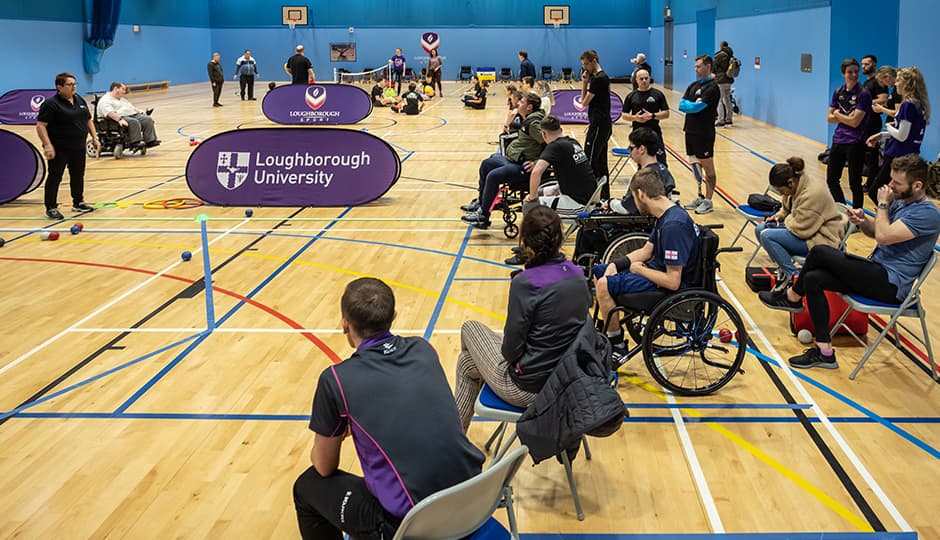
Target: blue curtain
{"points": [[104, 23]]}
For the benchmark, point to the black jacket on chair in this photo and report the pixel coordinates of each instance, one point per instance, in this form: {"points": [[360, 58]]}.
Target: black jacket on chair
{"points": [[576, 400]]}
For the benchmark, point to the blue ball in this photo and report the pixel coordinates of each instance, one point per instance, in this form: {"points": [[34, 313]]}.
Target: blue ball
{"points": [[249, 212], [186, 256], [75, 229]]}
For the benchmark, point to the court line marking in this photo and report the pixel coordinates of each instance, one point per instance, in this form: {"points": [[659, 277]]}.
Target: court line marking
{"points": [[821, 414], [442, 297], [102, 308]]}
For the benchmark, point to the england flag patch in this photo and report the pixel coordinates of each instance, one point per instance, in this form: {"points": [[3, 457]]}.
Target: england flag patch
{"points": [[671, 255]]}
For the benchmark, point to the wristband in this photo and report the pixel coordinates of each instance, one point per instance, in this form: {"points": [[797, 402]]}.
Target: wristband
{"points": [[883, 206]]}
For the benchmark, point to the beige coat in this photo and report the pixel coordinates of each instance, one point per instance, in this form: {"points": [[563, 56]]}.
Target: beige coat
{"points": [[811, 215]]}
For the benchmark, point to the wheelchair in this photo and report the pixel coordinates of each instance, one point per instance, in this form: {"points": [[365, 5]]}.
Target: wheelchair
{"points": [[693, 341], [112, 136]]}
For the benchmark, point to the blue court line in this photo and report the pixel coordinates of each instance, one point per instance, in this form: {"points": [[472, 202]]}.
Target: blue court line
{"points": [[447, 283], [408, 155], [98, 376], [158, 184], [179, 358], [207, 275], [883, 421], [260, 417]]}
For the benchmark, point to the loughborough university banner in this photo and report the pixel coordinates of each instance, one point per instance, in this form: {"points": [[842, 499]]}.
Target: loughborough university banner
{"points": [[317, 104], [292, 167], [23, 166], [569, 110], [22, 106]]}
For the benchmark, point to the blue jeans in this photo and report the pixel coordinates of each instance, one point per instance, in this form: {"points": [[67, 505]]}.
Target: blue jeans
{"points": [[780, 244], [495, 170]]}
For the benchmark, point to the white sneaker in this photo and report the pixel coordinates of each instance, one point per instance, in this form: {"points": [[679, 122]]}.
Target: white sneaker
{"points": [[704, 207], [694, 204]]}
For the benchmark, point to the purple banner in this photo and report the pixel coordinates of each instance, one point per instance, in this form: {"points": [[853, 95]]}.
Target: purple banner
{"points": [[22, 106], [292, 167], [23, 166], [569, 110], [317, 104]]}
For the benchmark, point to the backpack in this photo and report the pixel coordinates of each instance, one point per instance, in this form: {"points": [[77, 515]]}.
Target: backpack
{"points": [[933, 180], [763, 203], [734, 67]]}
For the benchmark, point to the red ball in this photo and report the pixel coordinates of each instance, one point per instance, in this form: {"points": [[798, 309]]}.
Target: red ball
{"points": [[724, 335], [54, 235], [80, 226], [739, 337]]}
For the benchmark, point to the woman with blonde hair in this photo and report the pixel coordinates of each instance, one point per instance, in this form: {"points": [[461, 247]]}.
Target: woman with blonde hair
{"points": [[906, 134]]}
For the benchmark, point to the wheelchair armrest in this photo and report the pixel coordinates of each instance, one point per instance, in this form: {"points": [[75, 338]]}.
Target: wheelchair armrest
{"points": [[736, 249], [715, 226]]}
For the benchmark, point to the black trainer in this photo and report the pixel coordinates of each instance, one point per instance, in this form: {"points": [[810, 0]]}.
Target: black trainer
{"points": [[779, 300], [53, 213], [517, 260], [473, 206], [814, 358], [477, 219], [82, 207]]}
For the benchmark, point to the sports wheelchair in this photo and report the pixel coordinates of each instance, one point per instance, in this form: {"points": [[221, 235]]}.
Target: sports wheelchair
{"points": [[693, 341], [112, 136]]}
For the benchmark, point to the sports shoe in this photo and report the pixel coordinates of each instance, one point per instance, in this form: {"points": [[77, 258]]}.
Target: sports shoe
{"points": [[779, 300], [517, 260], [82, 207], [473, 206], [516, 249], [53, 213], [155, 142], [814, 358], [477, 219], [705, 207], [694, 203], [782, 282]]}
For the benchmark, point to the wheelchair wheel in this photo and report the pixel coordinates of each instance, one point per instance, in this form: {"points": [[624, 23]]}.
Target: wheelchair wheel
{"points": [[511, 230], [90, 148], [682, 347], [624, 244], [509, 216], [118, 151]]}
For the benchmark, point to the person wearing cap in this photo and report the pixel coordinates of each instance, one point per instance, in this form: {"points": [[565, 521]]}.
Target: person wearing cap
{"points": [[299, 68], [639, 61]]}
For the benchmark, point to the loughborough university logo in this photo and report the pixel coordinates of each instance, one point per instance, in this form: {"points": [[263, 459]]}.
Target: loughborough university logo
{"points": [[35, 102], [315, 96], [430, 41], [232, 169], [576, 101]]}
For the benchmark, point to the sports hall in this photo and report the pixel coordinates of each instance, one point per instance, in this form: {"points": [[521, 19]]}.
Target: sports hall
{"points": [[144, 396]]}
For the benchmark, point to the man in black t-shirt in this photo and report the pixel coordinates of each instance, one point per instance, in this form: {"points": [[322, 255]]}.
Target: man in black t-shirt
{"points": [[700, 105], [411, 103], [362, 397], [299, 67], [575, 181], [645, 107], [879, 95], [595, 95], [378, 94]]}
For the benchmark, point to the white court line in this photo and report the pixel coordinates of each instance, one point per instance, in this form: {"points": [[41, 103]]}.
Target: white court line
{"points": [[214, 231], [823, 417], [691, 457], [107, 306], [410, 331]]}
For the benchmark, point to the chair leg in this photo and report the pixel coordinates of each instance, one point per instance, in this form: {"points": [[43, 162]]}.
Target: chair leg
{"points": [[874, 344], [500, 429], [587, 449], [923, 328], [510, 513], [756, 251], [740, 232], [838, 324], [571, 484], [502, 451]]}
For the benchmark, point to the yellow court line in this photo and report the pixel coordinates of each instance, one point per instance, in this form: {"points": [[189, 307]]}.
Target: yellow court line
{"points": [[789, 474], [498, 316]]}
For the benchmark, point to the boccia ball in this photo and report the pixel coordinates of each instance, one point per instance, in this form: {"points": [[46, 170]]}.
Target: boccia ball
{"points": [[805, 336], [54, 235], [74, 229], [249, 212], [186, 256], [2, 241], [724, 335], [737, 336], [80, 226], [44, 235]]}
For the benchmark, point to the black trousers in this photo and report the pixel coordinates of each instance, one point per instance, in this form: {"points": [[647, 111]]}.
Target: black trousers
{"points": [[247, 81], [74, 159], [327, 507], [595, 146], [854, 155], [826, 269], [881, 179], [216, 92]]}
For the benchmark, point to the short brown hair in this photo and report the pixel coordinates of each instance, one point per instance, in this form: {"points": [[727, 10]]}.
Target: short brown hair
{"points": [[913, 166], [648, 181], [534, 100], [707, 60], [848, 62], [62, 77], [551, 123], [540, 235], [115, 84], [368, 305], [590, 55]]}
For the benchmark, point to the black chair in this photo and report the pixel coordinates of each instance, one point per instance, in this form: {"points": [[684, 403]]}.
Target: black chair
{"points": [[566, 75], [465, 73], [547, 73], [505, 74]]}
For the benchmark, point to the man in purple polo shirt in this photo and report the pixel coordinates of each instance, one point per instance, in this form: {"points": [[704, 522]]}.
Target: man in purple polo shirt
{"points": [[392, 396], [849, 109]]}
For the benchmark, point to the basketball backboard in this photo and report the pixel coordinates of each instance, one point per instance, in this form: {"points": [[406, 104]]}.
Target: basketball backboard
{"points": [[556, 15], [294, 15]]}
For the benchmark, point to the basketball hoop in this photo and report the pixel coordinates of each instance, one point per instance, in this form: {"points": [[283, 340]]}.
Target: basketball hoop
{"points": [[556, 24], [291, 23]]}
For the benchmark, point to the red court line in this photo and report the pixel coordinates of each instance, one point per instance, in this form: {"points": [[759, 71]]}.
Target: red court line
{"points": [[267, 309], [724, 194]]}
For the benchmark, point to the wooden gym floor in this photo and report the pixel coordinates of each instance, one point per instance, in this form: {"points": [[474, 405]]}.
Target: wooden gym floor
{"points": [[123, 417]]}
